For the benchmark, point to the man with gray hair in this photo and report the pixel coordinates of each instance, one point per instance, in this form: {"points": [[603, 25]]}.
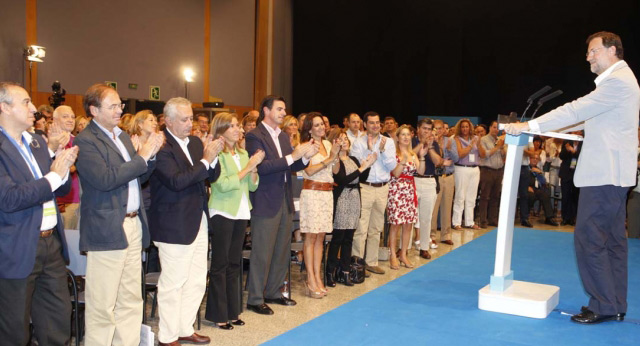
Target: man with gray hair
{"points": [[179, 222]]}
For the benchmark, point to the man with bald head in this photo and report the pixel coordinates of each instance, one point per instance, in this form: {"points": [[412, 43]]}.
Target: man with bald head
{"points": [[64, 120]]}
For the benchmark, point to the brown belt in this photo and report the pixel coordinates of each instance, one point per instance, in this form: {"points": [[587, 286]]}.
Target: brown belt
{"points": [[316, 185], [132, 214], [46, 233], [375, 184], [424, 176]]}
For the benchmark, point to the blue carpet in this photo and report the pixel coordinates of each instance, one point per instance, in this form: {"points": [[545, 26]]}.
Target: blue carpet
{"points": [[437, 303]]}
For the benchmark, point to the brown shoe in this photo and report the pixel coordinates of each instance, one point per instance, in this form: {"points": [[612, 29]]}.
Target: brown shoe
{"points": [[448, 242], [174, 343], [195, 339], [425, 254]]}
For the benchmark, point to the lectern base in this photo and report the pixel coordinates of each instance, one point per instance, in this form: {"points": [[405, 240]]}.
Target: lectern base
{"points": [[522, 299]]}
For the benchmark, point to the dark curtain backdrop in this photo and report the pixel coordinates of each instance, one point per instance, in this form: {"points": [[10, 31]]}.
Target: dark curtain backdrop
{"points": [[441, 57]]}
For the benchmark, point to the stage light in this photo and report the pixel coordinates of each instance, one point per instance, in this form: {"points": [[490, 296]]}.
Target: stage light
{"points": [[34, 53], [188, 75]]}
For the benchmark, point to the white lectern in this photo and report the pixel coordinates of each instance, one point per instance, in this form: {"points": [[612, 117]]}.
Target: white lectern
{"points": [[504, 294]]}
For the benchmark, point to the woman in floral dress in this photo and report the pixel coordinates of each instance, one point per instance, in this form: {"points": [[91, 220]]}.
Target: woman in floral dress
{"points": [[402, 206]]}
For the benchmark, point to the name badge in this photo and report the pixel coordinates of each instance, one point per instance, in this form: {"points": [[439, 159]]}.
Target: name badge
{"points": [[49, 208], [472, 157], [574, 163]]}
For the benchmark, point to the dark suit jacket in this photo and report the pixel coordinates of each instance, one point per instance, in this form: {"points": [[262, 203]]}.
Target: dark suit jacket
{"points": [[178, 192], [104, 180], [268, 197], [565, 172], [21, 199]]}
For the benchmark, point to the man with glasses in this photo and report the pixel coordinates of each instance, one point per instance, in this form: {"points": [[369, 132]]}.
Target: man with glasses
{"points": [[113, 223], [605, 171]]}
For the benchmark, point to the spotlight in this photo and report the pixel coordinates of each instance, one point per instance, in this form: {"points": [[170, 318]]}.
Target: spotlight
{"points": [[188, 74], [34, 53]]}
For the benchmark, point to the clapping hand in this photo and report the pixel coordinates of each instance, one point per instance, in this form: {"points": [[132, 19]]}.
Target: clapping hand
{"points": [[57, 137], [64, 159], [256, 159]]}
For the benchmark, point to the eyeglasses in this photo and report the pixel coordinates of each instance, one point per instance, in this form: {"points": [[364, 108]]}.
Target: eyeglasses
{"points": [[593, 51], [115, 106]]}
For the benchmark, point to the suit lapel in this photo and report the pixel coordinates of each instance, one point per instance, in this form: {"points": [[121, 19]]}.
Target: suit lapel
{"points": [[176, 149], [41, 156], [14, 157], [269, 140], [100, 135]]}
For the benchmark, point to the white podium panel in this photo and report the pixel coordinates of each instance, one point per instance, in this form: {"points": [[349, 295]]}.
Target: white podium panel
{"points": [[521, 298]]}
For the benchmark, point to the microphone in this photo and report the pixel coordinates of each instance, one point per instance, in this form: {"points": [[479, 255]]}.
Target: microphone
{"points": [[545, 99], [533, 97]]}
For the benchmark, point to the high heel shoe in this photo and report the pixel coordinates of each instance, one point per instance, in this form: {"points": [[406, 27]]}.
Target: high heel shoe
{"points": [[394, 265], [312, 294], [406, 263]]}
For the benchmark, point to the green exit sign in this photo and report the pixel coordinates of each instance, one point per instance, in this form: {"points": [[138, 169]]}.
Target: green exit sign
{"points": [[133, 86]]}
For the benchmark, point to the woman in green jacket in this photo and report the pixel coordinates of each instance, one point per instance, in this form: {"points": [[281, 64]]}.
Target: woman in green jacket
{"points": [[230, 210]]}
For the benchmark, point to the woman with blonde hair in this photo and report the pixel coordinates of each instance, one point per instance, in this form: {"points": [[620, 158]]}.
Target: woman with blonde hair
{"points": [[230, 210], [81, 122], [316, 200], [467, 175], [290, 127], [402, 206]]}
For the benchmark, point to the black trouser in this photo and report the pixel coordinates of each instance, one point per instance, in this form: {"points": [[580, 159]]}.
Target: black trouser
{"points": [[601, 247], [570, 195], [42, 297], [523, 192], [341, 241], [223, 299], [543, 196], [490, 188]]}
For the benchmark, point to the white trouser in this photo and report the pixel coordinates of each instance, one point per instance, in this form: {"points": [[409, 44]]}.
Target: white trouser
{"points": [[427, 195], [367, 235], [181, 285], [467, 180]]}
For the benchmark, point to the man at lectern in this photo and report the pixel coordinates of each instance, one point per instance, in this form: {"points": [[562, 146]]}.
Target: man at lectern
{"points": [[605, 171]]}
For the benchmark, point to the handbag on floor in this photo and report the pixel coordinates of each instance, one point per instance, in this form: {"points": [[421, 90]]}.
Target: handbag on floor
{"points": [[356, 271]]}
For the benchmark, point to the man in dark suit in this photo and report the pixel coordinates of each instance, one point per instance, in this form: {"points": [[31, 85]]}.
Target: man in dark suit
{"points": [[33, 252], [538, 190], [179, 222], [113, 223], [272, 214], [609, 116]]}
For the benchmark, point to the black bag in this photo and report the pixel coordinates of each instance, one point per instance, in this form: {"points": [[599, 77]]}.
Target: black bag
{"points": [[356, 271]]}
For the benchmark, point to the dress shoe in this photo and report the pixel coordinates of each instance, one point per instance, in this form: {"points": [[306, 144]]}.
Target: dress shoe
{"points": [[457, 228], [619, 317], [550, 221], [262, 309], [564, 222], [238, 322], [526, 223], [425, 254], [226, 326], [494, 224], [484, 225], [330, 276], [433, 245], [196, 338], [174, 343], [448, 242], [280, 301], [375, 269], [590, 317]]}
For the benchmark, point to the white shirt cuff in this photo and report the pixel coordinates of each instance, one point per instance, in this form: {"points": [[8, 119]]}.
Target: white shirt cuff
{"points": [[534, 126], [54, 180], [290, 159], [205, 163], [214, 163]]}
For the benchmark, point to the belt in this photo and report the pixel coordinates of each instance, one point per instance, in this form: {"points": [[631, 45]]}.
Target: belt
{"points": [[351, 186], [316, 185], [374, 184], [46, 233], [132, 214], [424, 176], [445, 175], [493, 169], [466, 165]]}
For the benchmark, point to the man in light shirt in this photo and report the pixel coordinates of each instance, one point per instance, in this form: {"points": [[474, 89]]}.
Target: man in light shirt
{"points": [[374, 191], [354, 132], [605, 171]]}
